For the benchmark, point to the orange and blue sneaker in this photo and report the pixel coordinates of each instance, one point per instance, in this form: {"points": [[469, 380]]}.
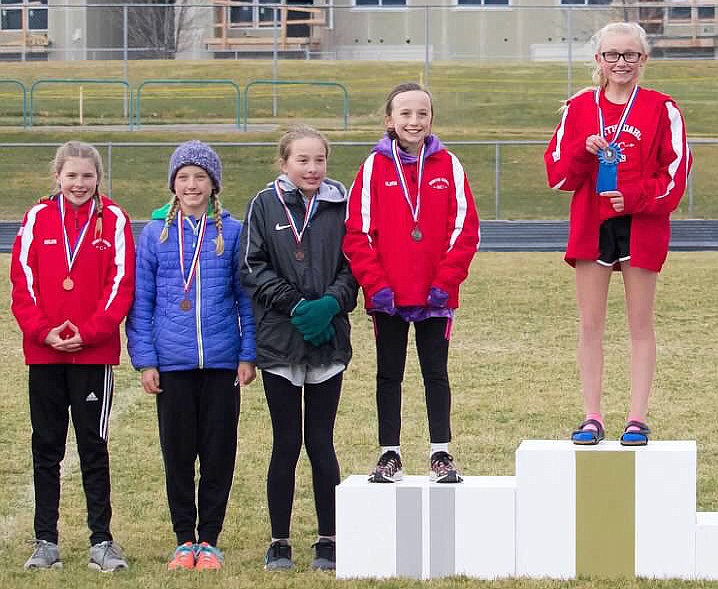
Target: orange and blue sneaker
{"points": [[183, 558], [208, 558]]}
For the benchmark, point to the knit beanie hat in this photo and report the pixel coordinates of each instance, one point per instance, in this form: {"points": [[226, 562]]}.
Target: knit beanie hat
{"points": [[196, 153]]}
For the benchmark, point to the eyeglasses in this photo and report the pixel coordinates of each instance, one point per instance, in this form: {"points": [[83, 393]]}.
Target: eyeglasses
{"points": [[628, 56]]}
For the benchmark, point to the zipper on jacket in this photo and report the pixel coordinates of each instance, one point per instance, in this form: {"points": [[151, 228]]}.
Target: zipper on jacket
{"points": [[198, 316]]}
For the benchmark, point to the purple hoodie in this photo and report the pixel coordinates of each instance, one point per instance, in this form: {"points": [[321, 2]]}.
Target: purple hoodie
{"points": [[432, 144]]}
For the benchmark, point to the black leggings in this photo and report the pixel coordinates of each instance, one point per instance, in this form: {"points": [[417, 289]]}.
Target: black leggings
{"points": [[285, 406], [432, 346]]}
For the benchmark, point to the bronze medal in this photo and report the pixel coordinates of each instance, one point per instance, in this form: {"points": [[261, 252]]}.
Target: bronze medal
{"points": [[416, 234], [68, 284], [186, 305], [299, 255]]}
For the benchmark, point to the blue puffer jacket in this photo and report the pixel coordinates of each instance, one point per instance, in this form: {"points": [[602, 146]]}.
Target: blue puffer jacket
{"points": [[218, 331]]}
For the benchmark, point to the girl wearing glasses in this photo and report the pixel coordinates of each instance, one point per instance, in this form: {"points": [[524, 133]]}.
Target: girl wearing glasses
{"points": [[621, 149]]}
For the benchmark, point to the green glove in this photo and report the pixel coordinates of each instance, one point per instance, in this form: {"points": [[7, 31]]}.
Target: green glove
{"points": [[311, 318], [325, 336]]}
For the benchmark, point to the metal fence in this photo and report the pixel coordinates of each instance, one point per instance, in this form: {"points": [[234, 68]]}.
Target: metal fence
{"points": [[506, 175]]}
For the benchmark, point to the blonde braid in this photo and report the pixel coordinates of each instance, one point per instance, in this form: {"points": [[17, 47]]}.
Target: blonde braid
{"points": [[98, 223], [171, 214], [217, 214]]}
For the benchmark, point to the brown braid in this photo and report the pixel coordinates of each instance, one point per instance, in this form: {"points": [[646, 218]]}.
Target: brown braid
{"points": [[171, 214], [98, 205], [217, 215]]}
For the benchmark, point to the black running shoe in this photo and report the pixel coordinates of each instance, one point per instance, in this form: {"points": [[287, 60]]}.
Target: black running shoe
{"points": [[388, 469], [443, 469]]}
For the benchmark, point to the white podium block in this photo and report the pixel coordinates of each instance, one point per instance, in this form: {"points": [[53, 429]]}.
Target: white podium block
{"points": [[379, 528], [707, 546], [605, 510], [666, 510], [545, 509], [416, 528], [485, 528]]}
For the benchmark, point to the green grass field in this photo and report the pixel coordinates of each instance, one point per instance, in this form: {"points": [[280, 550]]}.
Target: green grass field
{"points": [[472, 102], [513, 377]]}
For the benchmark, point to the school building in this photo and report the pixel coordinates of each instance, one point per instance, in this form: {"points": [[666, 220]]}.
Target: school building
{"points": [[484, 30]]}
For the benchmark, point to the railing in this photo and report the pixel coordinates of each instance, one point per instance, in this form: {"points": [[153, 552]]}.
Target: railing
{"points": [[38, 83], [134, 110], [138, 94], [24, 97], [295, 83]]}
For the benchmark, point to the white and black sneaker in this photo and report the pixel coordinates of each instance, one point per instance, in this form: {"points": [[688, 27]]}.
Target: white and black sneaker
{"points": [[443, 469], [388, 469]]}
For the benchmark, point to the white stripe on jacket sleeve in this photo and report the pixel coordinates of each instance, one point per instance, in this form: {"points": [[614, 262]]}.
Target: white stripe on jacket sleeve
{"points": [[556, 154], [461, 205], [25, 243], [366, 195], [120, 253], [676, 125]]}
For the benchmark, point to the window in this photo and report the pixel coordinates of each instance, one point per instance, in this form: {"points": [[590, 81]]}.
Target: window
{"points": [[11, 15], [254, 16], [586, 2], [482, 2], [680, 13], [380, 2], [706, 13]]}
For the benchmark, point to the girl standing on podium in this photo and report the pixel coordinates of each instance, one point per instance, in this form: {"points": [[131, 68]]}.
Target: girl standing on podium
{"points": [[412, 231], [621, 149]]}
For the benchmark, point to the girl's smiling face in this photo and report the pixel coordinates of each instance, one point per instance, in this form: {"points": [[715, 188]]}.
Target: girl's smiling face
{"points": [[77, 180], [306, 164], [193, 187], [410, 119], [621, 72]]}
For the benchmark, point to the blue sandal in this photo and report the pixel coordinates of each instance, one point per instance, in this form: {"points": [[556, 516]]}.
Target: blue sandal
{"points": [[637, 437], [588, 437]]}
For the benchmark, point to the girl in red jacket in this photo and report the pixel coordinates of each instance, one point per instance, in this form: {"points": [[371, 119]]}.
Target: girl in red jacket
{"points": [[621, 149], [412, 231], [72, 278]]}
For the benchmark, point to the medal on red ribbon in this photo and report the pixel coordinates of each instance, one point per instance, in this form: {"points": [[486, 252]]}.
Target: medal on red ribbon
{"points": [[416, 233], [298, 234], [187, 278], [610, 157], [71, 251]]}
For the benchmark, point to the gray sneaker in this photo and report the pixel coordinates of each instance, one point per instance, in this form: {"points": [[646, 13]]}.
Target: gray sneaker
{"points": [[325, 555], [107, 557], [278, 557], [46, 555]]}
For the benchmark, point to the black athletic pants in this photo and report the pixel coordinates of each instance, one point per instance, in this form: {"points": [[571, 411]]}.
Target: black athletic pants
{"points": [[320, 409], [198, 414], [86, 390], [432, 345]]}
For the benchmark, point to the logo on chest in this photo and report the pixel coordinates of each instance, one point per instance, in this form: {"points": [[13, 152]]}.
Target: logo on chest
{"points": [[439, 183], [101, 244]]}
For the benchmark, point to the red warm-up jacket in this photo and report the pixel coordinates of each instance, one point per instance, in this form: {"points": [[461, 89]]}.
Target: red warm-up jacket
{"points": [[103, 278], [652, 175], [378, 241]]}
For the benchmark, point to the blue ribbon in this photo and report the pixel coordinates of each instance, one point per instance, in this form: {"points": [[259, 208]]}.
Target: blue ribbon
{"points": [[608, 160]]}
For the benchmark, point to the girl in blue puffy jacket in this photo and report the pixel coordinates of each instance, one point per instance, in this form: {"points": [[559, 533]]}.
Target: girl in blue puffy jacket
{"points": [[191, 333]]}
